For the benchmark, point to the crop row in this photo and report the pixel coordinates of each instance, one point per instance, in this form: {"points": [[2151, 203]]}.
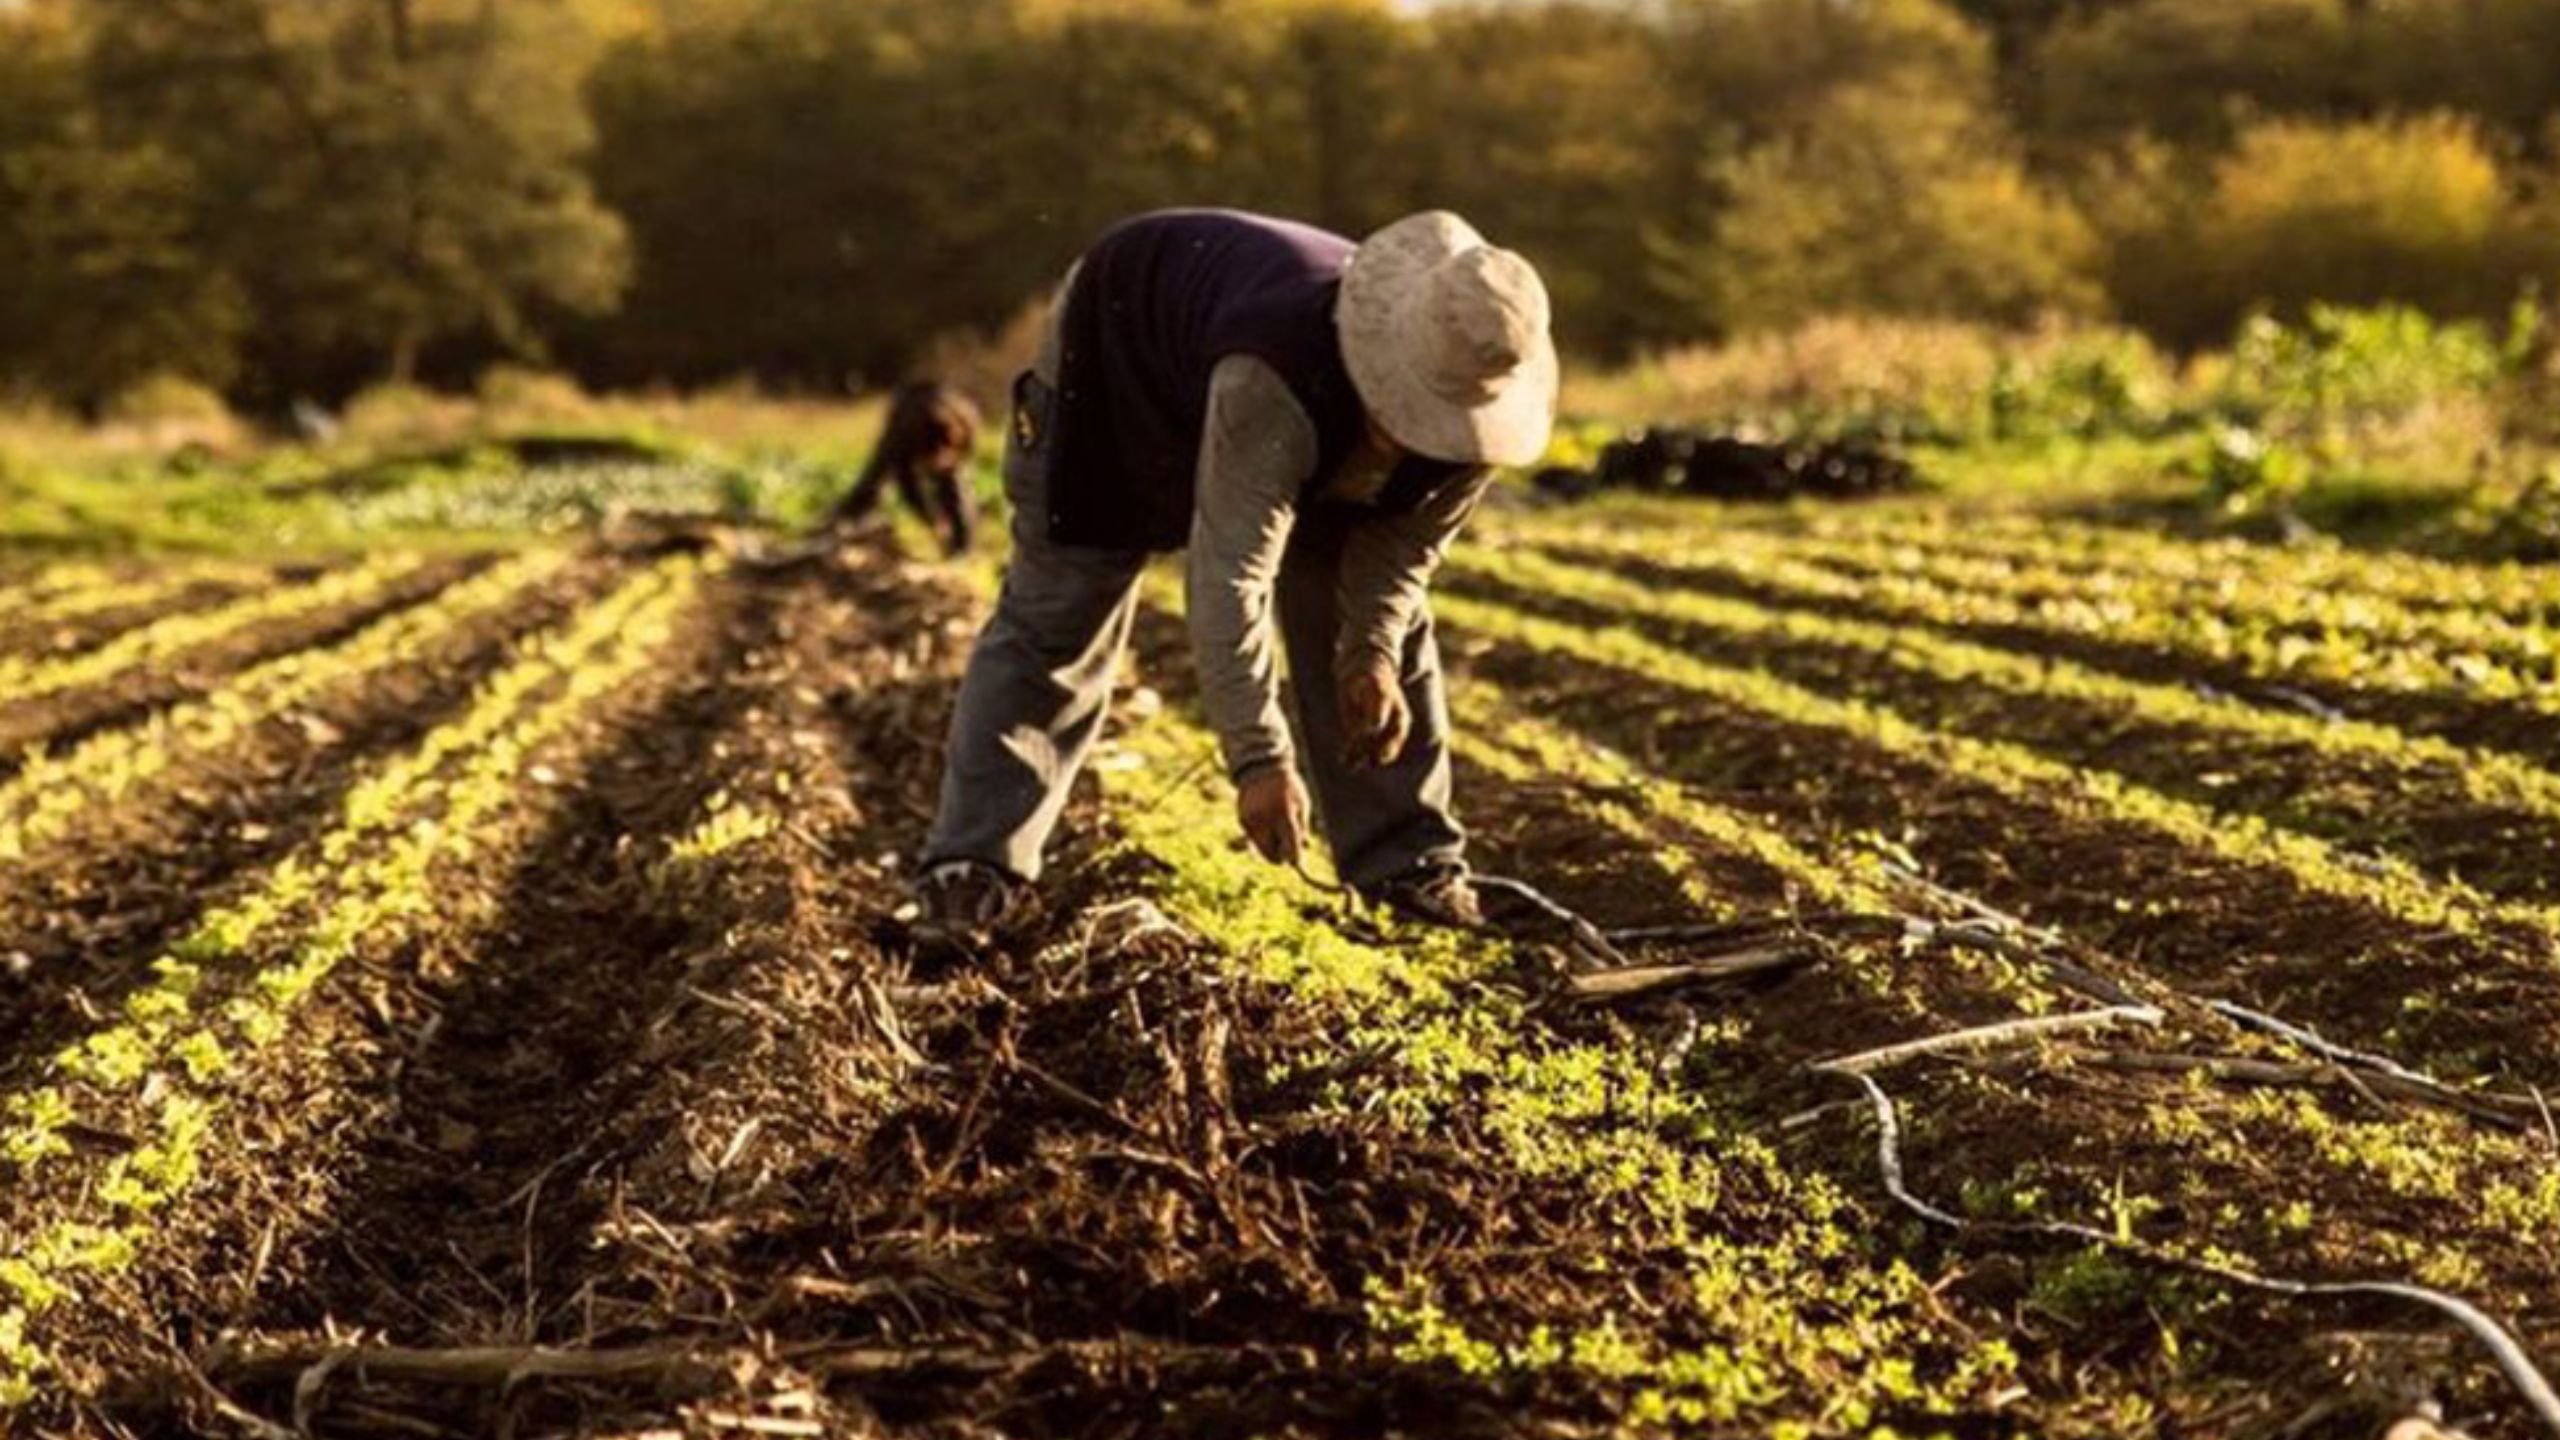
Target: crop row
{"points": [[55, 789], [2370, 1191], [1774, 1306], [73, 592], [228, 989], [170, 638], [2524, 593], [2255, 611], [1498, 736], [22, 590], [2012, 770], [2330, 777], [2231, 619]]}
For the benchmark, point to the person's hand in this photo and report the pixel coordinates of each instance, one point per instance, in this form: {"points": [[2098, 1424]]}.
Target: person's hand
{"points": [[1272, 807], [1375, 718]]}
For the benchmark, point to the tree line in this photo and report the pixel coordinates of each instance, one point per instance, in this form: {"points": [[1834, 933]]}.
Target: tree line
{"points": [[285, 198]]}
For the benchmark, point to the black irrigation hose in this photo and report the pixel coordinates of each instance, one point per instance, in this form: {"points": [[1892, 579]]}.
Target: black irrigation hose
{"points": [[2503, 1347]]}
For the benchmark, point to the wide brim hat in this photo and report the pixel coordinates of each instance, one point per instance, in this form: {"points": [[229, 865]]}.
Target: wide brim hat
{"points": [[1448, 341]]}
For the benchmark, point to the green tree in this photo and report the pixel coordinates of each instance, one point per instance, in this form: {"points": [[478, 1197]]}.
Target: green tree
{"points": [[2418, 211], [1553, 128], [103, 281], [378, 176], [1884, 203], [2190, 71]]}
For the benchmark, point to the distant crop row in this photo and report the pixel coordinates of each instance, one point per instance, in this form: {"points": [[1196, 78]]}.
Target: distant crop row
{"points": [[2278, 629], [166, 640], [228, 990], [2244, 839], [55, 789], [2512, 589], [2336, 775], [73, 590]]}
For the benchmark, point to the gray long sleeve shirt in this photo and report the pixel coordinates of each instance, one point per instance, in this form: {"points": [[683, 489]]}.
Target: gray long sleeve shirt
{"points": [[1258, 460]]}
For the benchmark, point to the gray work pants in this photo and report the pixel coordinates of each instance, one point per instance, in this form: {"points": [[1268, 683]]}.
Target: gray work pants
{"points": [[1039, 682]]}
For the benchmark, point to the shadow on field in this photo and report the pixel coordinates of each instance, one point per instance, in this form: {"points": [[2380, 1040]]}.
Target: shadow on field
{"points": [[455, 1217], [90, 912]]}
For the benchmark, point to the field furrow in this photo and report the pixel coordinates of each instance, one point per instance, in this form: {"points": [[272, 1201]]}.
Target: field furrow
{"points": [[2524, 593], [105, 1141], [1592, 1128], [2232, 906], [1626, 858], [108, 848], [84, 617], [2486, 819], [2083, 1129], [54, 702], [2344, 640], [52, 791], [73, 588]]}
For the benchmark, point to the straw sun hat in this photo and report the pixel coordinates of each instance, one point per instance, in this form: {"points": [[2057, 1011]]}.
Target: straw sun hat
{"points": [[1446, 339]]}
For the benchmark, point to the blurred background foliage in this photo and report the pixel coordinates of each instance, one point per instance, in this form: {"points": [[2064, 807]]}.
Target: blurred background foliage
{"points": [[286, 199]]}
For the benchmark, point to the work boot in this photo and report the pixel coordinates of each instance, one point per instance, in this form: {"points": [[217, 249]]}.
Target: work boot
{"points": [[1434, 892], [962, 903]]}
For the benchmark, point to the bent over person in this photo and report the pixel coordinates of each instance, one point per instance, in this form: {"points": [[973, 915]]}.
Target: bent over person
{"points": [[924, 445], [1312, 420]]}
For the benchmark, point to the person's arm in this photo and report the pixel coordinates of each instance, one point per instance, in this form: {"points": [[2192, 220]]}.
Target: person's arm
{"points": [[1255, 460], [959, 511], [864, 497], [1387, 565]]}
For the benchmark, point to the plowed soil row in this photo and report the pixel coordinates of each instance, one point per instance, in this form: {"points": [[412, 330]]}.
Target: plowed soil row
{"points": [[2034, 1134], [812, 1188], [665, 1096], [83, 917], [287, 1127], [2484, 1003], [2424, 812], [59, 719], [2098, 549], [2057, 1141], [86, 629], [2487, 722]]}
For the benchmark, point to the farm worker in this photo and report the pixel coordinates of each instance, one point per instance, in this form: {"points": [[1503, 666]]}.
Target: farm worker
{"points": [[924, 443], [1312, 420]]}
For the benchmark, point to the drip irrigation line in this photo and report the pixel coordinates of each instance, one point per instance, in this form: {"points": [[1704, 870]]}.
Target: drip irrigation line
{"points": [[1988, 923], [1883, 926], [1591, 937], [2317, 1043], [2519, 1368]]}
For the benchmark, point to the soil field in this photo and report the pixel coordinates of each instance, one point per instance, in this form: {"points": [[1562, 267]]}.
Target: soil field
{"points": [[2036, 982]]}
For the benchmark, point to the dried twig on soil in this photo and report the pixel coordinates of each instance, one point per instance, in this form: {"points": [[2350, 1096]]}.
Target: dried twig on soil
{"points": [[667, 1369], [2002, 933], [1640, 982], [2508, 1112], [1835, 924], [1982, 1036], [2529, 1382]]}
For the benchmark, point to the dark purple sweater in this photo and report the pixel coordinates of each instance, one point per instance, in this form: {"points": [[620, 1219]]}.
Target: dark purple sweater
{"points": [[1158, 301]]}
